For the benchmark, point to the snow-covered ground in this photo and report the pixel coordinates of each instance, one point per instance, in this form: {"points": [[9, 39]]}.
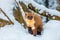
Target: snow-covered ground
{"points": [[51, 29], [17, 32]]}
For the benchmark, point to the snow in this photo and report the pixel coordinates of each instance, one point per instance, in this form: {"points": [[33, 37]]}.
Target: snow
{"points": [[51, 29], [40, 1], [7, 6], [2, 16], [17, 32], [52, 3]]}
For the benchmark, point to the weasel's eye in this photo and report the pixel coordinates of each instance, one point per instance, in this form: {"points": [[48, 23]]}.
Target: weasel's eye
{"points": [[30, 17]]}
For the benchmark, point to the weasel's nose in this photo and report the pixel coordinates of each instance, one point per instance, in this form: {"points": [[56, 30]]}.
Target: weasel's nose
{"points": [[30, 17]]}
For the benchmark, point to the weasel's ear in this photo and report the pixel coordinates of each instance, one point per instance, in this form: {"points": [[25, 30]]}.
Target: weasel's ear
{"points": [[33, 13], [26, 13]]}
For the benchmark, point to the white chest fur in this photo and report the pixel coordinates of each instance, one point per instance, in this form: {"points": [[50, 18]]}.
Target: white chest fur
{"points": [[30, 23]]}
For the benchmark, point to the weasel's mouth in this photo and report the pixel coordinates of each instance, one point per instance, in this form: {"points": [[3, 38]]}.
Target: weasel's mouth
{"points": [[30, 17]]}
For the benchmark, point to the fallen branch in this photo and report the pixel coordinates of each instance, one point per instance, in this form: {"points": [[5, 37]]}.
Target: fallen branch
{"points": [[46, 14], [6, 15]]}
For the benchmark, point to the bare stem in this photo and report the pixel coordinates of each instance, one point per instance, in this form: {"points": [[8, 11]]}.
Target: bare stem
{"points": [[6, 15]]}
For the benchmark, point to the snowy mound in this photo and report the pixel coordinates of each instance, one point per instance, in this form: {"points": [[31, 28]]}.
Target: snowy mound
{"points": [[17, 32], [51, 30]]}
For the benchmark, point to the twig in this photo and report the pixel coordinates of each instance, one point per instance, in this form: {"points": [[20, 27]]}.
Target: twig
{"points": [[17, 3], [6, 15]]}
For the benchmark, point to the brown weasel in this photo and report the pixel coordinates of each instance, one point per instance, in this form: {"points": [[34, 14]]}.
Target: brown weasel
{"points": [[33, 22]]}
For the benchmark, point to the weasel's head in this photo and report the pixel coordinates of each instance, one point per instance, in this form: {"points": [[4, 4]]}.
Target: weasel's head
{"points": [[29, 15]]}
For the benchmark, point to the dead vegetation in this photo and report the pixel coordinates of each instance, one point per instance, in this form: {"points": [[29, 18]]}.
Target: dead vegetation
{"points": [[18, 15], [5, 22], [24, 7], [58, 8]]}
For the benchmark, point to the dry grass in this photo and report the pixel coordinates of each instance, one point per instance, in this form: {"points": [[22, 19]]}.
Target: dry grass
{"points": [[24, 7], [18, 16], [4, 22]]}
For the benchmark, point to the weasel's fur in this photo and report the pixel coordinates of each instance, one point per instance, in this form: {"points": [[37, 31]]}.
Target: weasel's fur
{"points": [[35, 23]]}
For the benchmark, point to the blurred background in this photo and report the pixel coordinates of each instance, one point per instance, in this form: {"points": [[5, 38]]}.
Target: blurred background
{"points": [[51, 4]]}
